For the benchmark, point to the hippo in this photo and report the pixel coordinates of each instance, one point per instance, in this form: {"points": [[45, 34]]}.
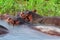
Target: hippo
{"points": [[16, 20], [30, 16], [33, 17], [3, 30]]}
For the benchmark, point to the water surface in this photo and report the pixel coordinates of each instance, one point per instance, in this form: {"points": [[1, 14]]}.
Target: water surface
{"points": [[23, 32]]}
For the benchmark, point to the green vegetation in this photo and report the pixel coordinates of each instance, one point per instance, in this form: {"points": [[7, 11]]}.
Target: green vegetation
{"points": [[43, 7]]}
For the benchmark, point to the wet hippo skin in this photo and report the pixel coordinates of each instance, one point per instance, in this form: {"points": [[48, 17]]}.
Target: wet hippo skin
{"points": [[3, 30]]}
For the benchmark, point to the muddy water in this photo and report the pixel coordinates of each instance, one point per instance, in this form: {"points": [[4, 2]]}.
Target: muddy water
{"points": [[23, 32]]}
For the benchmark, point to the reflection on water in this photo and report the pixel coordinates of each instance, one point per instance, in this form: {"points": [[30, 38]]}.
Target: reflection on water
{"points": [[23, 32]]}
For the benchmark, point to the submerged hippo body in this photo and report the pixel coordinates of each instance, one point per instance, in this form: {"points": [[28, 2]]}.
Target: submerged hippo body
{"points": [[3, 30], [44, 20], [55, 21]]}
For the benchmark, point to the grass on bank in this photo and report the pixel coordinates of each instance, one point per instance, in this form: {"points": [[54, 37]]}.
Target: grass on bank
{"points": [[43, 7]]}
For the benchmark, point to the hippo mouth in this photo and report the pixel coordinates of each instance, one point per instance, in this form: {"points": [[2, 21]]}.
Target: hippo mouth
{"points": [[3, 30], [50, 30]]}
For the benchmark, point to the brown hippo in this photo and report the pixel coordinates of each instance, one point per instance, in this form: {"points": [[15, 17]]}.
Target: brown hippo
{"points": [[54, 23], [34, 18], [10, 21], [50, 21], [26, 16], [31, 16], [15, 21], [3, 30]]}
